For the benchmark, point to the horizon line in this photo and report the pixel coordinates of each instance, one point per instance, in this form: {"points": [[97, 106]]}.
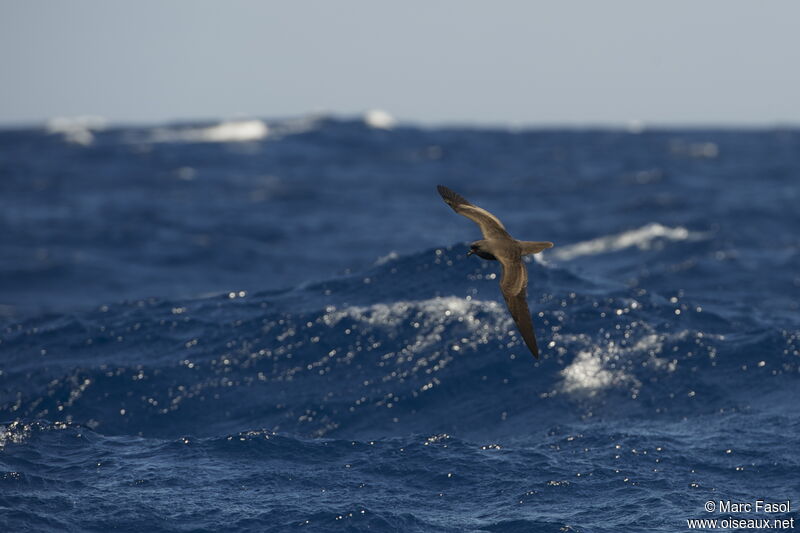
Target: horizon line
{"points": [[99, 122]]}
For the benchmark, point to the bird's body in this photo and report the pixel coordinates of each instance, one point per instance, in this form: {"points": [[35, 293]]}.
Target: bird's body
{"points": [[498, 245]]}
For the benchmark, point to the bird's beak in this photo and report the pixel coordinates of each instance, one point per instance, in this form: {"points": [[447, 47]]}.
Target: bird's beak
{"points": [[470, 253]]}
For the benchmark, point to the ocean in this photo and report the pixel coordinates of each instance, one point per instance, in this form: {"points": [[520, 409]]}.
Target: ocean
{"points": [[273, 325]]}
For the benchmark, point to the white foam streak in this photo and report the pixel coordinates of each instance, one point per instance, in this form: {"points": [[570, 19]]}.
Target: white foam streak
{"points": [[599, 367], [77, 130], [428, 317], [596, 368], [586, 373], [437, 309], [391, 256], [379, 119], [642, 238], [228, 131]]}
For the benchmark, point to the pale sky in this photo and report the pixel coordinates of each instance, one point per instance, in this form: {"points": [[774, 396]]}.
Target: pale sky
{"points": [[708, 62]]}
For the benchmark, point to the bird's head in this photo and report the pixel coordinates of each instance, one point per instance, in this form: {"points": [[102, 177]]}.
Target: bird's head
{"points": [[480, 249]]}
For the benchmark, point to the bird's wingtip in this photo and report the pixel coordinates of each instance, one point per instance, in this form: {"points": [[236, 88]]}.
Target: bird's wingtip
{"points": [[450, 196]]}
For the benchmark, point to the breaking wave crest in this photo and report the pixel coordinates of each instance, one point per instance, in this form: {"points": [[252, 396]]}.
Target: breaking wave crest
{"points": [[229, 131], [642, 238]]}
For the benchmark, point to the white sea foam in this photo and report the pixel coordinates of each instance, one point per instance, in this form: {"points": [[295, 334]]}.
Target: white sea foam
{"points": [[587, 373], [599, 367], [642, 238], [379, 119], [391, 256], [436, 309], [76, 130], [429, 317], [228, 131]]}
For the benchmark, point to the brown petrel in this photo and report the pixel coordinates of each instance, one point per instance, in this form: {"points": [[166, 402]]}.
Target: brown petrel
{"points": [[498, 245]]}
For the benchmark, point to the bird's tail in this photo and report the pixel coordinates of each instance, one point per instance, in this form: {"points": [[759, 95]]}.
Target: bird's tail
{"points": [[531, 247]]}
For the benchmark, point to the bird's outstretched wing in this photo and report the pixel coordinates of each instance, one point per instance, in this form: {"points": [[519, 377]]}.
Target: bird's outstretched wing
{"points": [[514, 284], [490, 225]]}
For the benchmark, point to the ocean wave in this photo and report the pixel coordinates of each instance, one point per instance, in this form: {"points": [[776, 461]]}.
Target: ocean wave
{"points": [[315, 361], [262, 464]]}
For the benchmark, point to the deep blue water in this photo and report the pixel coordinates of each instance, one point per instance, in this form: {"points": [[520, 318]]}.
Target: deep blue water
{"points": [[283, 332]]}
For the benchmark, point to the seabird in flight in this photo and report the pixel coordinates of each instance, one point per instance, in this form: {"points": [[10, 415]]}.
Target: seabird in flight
{"points": [[498, 245]]}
